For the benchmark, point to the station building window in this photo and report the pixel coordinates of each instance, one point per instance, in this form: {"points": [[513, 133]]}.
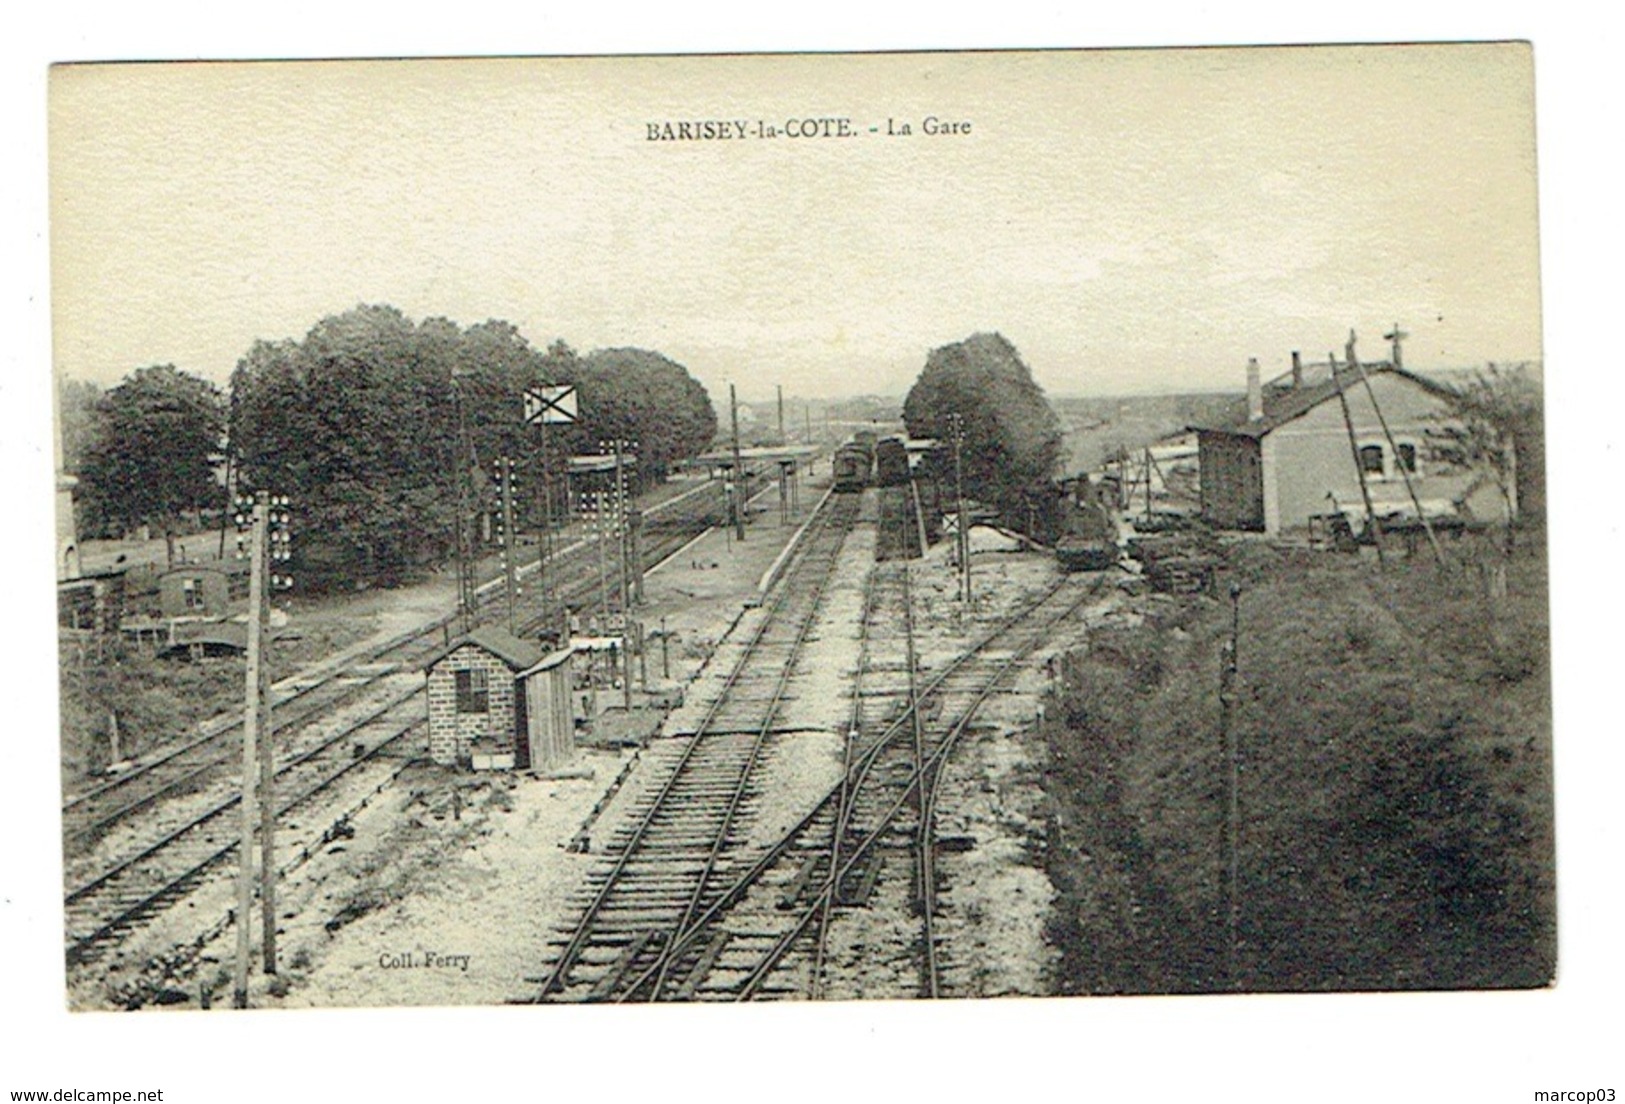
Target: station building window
{"points": [[1372, 460], [192, 593], [473, 691], [1406, 455]]}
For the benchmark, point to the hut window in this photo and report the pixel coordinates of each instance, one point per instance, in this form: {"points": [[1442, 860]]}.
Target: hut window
{"points": [[1405, 453], [1371, 459], [191, 594], [473, 691]]}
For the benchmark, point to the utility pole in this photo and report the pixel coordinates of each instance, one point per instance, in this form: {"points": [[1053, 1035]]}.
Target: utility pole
{"points": [[253, 689], [510, 567], [1373, 526], [1229, 842], [783, 440], [956, 426], [618, 504], [1393, 449], [465, 552], [597, 500], [739, 502], [265, 520]]}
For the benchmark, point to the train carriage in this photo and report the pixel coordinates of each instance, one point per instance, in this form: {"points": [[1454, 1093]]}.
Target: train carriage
{"points": [[852, 467]]}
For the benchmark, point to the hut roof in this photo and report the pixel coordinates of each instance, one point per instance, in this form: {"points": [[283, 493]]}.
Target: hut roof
{"points": [[516, 653]]}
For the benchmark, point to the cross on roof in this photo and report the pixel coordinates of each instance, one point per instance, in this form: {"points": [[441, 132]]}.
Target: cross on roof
{"points": [[1394, 337]]}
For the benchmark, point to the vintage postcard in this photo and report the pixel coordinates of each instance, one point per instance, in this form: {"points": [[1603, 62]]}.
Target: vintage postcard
{"points": [[800, 527]]}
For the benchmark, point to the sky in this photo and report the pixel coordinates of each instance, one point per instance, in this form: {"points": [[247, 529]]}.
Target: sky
{"points": [[1131, 220]]}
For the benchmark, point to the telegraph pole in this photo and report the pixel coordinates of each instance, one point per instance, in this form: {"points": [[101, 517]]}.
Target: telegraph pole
{"points": [[623, 534], [1373, 526], [1229, 842], [465, 553], [265, 519], [956, 426], [253, 700], [510, 568], [739, 502], [1393, 449], [783, 440]]}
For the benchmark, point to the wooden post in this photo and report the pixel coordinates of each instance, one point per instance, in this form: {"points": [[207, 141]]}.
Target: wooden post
{"points": [[251, 723], [510, 568], [1410, 488], [739, 498], [1229, 846], [957, 427], [260, 634], [634, 552], [1373, 526]]}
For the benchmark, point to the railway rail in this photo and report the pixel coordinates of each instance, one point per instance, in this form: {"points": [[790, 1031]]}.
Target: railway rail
{"points": [[768, 932], [131, 890], [668, 856], [136, 843], [190, 764]]}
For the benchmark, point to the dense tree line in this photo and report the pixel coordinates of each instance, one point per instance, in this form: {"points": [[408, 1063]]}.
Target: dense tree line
{"points": [[637, 395], [370, 422], [1012, 439]]}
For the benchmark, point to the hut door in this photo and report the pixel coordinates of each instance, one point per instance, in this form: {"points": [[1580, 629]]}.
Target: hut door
{"points": [[521, 725]]}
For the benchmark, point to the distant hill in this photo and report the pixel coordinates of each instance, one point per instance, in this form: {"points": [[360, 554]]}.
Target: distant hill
{"points": [[1095, 428]]}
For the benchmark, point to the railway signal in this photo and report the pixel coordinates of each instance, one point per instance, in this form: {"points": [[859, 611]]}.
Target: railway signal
{"points": [[510, 566], [262, 522]]}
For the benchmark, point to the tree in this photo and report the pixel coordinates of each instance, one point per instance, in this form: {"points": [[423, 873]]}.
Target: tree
{"points": [[1495, 425], [357, 424], [639, 395], [1012, 438], [154, 451], [76, 415]]}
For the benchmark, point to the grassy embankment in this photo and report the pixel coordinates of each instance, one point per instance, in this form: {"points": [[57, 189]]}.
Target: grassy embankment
{"points": [[157, 701], [1395, 787]]}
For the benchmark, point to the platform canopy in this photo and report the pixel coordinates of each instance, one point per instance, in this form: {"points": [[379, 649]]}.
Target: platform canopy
{"points": [[584, 465], [769, 454]]}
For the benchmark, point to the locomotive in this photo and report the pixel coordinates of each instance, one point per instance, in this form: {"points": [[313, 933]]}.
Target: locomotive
{"points": [[1088, 537], [854, 466], [891, 462]]}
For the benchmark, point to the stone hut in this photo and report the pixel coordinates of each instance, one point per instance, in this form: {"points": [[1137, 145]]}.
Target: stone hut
{"points": [[492, 703]]}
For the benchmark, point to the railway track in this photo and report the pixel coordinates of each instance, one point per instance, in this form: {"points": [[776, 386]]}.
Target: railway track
{"points": [[191, 765], [138, 843], [135, 887], [685, 832], [775, 929]]}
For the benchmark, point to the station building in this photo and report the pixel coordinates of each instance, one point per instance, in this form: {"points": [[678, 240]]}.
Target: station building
{"points": [[1284, 461]]}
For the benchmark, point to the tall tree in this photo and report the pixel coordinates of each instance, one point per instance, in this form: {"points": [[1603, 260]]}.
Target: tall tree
{"points": [[155, 450], [1496, 425], [357, 424], [639, 395], [1012, 438]]}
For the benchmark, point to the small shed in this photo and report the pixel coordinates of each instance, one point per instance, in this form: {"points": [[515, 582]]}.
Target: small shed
{"points": [[203, 590], [548, 727], [497, 701]]}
